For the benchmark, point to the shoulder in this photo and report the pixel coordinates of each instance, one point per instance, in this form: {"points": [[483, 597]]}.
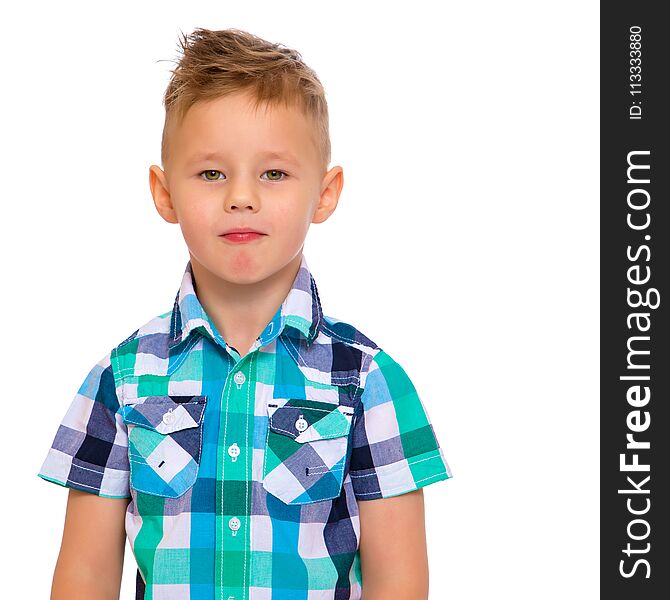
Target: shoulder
{"points": [[159, 327], [150, 338], [373, 362], [351, 347], [345, 333]]}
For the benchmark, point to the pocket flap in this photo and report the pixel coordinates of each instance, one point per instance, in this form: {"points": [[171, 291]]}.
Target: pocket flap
{"points": [[165, 414], [310, 420]]}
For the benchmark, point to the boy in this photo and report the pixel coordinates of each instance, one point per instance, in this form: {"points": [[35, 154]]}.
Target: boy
{"points": [[249, 446]]}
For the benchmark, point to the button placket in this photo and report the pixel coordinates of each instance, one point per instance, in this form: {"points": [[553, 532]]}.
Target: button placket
{"points": [[234, 451], [235, 486]]}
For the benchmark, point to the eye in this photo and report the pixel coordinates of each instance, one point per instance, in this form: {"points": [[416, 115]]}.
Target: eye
{"points": [[276, 173], [210, 172]]}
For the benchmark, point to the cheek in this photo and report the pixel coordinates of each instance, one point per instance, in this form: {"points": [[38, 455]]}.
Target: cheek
{"points": [[195, 224], [295, 233], [295, 215]]}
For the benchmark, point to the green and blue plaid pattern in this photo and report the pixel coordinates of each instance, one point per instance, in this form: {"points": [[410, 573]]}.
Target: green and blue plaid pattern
{"points": [[244, 473]]}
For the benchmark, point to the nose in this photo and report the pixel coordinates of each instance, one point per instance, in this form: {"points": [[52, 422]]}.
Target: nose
{"points": [[240, 197]]}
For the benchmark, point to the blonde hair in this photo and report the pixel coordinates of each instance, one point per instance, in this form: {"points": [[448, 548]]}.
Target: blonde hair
{"points": [[217, 63]]}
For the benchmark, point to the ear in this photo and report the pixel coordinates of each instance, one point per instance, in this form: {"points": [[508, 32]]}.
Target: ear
{"points": [[331, 187], [161, 194]]}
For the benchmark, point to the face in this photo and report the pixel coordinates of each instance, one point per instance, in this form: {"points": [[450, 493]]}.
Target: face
{"points": [[231, 166]]}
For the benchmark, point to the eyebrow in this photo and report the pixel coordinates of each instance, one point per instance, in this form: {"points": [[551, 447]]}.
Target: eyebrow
{"points": [[271, 154]]}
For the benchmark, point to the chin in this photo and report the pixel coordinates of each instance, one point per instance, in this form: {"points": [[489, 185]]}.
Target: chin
{"points": [[245, 269], [244, 278]]}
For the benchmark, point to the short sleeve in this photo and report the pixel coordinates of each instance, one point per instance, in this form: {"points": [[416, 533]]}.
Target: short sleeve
{"points": [[90, 449], [395, 449]]}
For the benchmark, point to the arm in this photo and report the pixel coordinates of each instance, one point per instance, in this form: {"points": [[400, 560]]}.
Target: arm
{"points": [[90, 563], [394, 557]]}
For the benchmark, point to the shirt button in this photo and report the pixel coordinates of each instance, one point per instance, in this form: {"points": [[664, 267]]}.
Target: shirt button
{"points": [[234, 451], [301, 424], [239, 378], [168, 417], [234, 524]]}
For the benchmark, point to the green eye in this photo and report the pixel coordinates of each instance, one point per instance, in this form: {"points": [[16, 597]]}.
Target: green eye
{"points": [[273, 175], [210, 172], [277, 173]]}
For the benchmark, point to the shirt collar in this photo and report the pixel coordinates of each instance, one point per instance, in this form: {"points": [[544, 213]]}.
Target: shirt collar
{"points": [[300, 311]]}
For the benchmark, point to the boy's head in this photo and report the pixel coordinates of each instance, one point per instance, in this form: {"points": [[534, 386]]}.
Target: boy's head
{"points": [[245, 145]]}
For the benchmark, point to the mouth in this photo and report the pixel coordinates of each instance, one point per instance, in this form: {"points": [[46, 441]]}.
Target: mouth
{"points": [[241, 235]]}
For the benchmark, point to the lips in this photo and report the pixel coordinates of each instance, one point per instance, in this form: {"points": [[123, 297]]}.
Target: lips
{"points": [[242, 230], [241, 235]]}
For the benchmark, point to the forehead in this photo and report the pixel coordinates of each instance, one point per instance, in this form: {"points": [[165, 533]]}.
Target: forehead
{"points": [[234, 123]]}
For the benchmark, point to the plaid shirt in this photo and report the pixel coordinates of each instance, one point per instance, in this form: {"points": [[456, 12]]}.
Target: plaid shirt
{"points": [[244, 474]]}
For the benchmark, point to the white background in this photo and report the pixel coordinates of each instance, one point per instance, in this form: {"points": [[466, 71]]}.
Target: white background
{"points": [[465, 244]]}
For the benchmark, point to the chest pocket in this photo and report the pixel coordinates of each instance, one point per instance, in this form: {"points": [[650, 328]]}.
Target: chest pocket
{"points": [[306, 450], [164, 442]]}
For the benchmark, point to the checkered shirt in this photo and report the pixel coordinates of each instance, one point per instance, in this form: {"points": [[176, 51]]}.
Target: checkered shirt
{"points": [[244, 474]]}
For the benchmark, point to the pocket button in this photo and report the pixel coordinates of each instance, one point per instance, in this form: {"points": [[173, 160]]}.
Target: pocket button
{"points": [[168, 417], [301, 424]]}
